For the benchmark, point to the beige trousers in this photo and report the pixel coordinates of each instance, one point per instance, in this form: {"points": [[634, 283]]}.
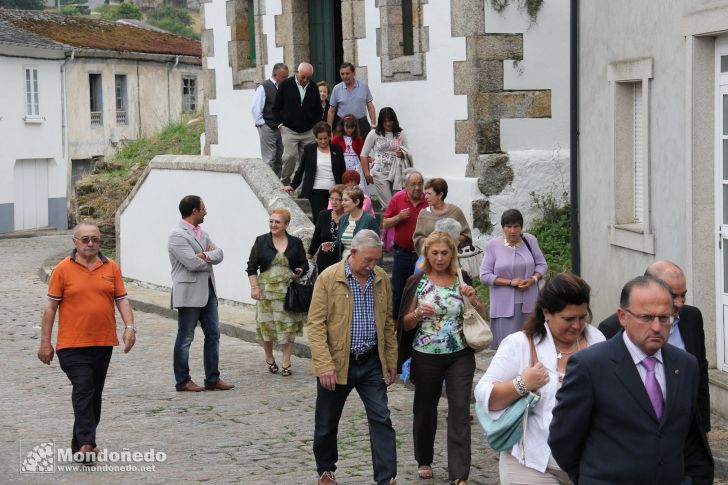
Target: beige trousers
{"points": [[293, 144], [513, 473]]}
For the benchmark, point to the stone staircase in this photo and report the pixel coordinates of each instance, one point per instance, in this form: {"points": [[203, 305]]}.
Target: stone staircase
{"points": [[387, 257]]}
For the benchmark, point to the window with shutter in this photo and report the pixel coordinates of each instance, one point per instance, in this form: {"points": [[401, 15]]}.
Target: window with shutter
{"points": [[637, 150]]}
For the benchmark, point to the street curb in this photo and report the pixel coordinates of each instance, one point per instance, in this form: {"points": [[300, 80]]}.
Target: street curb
{"points": [[34, 233]]}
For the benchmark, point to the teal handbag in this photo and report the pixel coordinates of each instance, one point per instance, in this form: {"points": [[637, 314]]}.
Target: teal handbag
{"points": [[503, 433], [506, 431]]}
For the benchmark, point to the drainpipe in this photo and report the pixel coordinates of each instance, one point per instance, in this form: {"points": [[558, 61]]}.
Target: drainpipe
{"points": [[64, 134], [574, 135]]}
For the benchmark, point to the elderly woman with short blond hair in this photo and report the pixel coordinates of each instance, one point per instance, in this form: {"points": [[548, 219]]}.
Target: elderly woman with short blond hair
{"points": [[276, 259]]}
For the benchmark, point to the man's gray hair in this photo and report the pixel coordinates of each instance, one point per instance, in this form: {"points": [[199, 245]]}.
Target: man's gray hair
{"points": [[279, 66], [450, 226], [87, 222], [366, 238], [305, 65], [410, 172]]}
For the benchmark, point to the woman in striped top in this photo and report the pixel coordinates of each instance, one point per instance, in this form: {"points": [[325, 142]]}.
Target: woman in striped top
{"points": [[353, 220]]}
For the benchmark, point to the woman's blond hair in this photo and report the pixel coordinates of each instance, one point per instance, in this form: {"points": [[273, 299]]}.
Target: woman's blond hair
{"points": [[283, 212], [435, 238]]}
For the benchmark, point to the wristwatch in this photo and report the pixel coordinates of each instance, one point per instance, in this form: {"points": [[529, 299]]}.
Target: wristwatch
{"points": [[130, 327]]}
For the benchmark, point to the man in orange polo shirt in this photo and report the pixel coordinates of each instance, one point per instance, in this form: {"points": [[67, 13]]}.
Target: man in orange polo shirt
{"points": [[85, 286]]}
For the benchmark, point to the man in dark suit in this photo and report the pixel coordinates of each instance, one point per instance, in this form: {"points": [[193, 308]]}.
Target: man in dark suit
{"points": [[686, 333], [625, 407], [297, 107]]}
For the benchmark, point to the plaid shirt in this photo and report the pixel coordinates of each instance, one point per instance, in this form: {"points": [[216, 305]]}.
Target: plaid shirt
{"points": [[363, 328]]}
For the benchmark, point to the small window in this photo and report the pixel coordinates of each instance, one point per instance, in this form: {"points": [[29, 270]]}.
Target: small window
{"points": [[32, 108], [121, 100], [189, 94], [723, 63], [95, 99]]}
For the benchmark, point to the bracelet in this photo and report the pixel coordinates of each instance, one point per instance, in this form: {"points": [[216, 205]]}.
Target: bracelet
{"points": [[254, 287], [520, 385], [510, 283], [535, 279], [416, 314], [130, 327]]}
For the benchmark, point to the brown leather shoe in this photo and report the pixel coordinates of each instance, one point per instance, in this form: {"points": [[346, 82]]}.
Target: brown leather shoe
{"points": [[190, 386], [86, 455], [219, 386], [327, 478]]}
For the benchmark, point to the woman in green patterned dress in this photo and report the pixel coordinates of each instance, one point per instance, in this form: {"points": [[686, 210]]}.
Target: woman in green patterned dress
{"points": [[275, 259], [440, 353]]}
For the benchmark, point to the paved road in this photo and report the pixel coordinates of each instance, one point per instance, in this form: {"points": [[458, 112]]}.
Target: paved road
{"points": [[260, 432]]}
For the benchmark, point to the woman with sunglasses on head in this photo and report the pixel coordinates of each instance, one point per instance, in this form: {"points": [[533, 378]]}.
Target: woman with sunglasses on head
{"points": [[327, 230]]}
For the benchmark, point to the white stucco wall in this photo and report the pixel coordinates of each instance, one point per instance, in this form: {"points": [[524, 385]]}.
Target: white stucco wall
{"points": [[21, 140], [235, 218], [427, 110]]}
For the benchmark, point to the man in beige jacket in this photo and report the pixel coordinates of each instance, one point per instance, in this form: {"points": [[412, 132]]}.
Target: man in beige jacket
{"points": [[353, 346]]}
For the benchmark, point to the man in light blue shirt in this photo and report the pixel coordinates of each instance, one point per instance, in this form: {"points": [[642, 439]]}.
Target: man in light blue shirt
{"points": [[352, 97]]}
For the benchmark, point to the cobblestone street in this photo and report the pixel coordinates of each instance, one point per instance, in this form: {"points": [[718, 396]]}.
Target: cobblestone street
{"points": [[260, 432]]}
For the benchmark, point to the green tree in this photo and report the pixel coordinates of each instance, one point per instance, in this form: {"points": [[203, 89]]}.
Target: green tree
{"points": [[122, 11], [22, 4], [174, 20]]}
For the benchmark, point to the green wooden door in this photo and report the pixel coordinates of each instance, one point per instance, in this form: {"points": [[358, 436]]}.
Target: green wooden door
{"points": [[324, 27]]}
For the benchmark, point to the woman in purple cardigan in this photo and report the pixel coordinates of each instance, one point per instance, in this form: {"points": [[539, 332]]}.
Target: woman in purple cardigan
{"points": [[512, 266]]}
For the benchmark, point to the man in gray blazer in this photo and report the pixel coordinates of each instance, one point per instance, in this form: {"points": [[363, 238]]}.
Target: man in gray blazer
{"points": [[192, 254]]}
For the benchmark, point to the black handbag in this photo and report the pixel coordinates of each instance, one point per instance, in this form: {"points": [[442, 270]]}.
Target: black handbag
{"points": [[298, 296]]}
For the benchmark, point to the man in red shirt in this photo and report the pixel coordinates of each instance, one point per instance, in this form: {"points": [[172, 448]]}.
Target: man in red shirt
{"points": [[401, 213], [85, 285]]}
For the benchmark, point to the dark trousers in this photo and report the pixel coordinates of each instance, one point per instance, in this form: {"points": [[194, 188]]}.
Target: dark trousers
{"points": [[86, 369], [319, 200], [366, 377], [187, 318], [457, 370], [403, 265], [364, 127], [698, 458]]}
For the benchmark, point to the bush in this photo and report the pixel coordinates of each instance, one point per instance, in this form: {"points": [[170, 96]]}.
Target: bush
{"points": [[121, 11], [69, 10], [23, 4], [553, 229]]}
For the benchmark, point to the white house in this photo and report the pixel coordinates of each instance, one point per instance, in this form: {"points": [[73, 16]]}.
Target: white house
{"points": [[33, 161], [109, 83], [482, 95], [653, 156]]}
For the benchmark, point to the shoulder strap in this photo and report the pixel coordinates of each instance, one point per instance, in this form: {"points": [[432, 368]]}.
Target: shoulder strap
{"points": [[534, 357], [525, 241]]}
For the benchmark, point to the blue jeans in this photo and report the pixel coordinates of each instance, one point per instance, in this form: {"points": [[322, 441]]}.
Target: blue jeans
{"points": [[187, 318], [366, 377], [403, 266]]}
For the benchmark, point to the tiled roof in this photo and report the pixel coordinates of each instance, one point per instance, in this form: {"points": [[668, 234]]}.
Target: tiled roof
{"points": [[88, 33]]}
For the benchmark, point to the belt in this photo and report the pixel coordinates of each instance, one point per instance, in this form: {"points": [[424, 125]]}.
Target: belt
{"points": [[397, 247], [363, 355]]}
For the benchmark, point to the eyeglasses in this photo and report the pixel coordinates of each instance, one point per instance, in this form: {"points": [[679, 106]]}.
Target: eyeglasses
{"points": [[87, 239], [334, 199], [421, 184], [647, 319]]}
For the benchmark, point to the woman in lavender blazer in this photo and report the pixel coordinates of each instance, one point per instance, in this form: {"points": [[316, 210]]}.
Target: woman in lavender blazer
{"points": [[512, 266]]}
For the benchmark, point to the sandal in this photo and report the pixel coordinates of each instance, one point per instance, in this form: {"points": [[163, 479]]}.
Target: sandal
{"points": [[272, 368], [424, 472], [286, 371]]}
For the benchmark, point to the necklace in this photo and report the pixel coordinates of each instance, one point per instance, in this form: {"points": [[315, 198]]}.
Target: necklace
{"points": [[508, 245], [561, 353]]}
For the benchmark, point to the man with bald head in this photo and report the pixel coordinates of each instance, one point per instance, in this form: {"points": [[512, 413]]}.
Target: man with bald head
{"points": [[686, 333], [296, 109]]}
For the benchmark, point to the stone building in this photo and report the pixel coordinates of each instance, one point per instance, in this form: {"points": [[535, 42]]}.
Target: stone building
{"points": [[112, 83], [482, 94], [653, 156]]}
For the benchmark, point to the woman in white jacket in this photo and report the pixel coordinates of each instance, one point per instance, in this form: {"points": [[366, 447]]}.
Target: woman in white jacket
{"points": [[558, 328]]}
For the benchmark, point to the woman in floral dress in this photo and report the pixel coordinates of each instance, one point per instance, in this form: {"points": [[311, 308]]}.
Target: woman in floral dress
{"points": [[275, 259], [439, 353]]}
